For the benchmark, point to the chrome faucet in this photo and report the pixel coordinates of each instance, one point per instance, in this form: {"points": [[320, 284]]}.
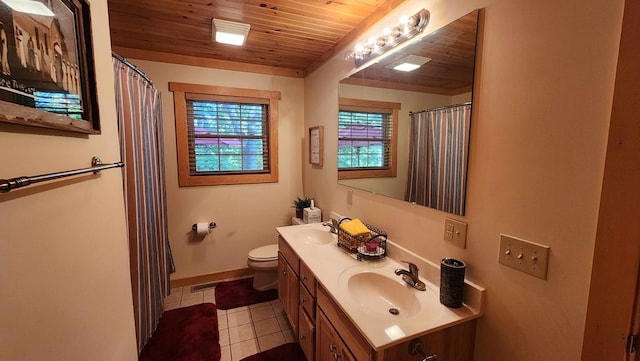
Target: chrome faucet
{"points": [[411, 276], [333, 225]]}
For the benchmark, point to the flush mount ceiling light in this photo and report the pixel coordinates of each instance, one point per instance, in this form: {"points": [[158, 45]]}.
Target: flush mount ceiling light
{"points": [[408, 63], [406, 28], [29, 7], [229, 32]]}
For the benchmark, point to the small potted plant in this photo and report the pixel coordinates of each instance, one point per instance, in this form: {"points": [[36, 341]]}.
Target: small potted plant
{"points": [[299, 204]]}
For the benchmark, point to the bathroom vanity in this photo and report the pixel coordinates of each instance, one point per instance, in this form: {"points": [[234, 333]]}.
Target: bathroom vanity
{"points": [[343, 309]]}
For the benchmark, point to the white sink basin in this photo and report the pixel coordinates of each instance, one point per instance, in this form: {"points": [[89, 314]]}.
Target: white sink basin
{"points": [[314, 235], [380, 292]]}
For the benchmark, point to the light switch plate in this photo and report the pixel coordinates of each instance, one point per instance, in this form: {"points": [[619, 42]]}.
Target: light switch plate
{"points": [[455, 232], [525, 256]]}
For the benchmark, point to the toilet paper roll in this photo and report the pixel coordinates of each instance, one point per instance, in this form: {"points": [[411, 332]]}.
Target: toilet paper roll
{"points": [[202, 228]]}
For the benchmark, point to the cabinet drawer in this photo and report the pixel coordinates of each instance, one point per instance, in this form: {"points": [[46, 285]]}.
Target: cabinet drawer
{"points": [[289, 254], [306, 336], [307, 278], [307, 302]]}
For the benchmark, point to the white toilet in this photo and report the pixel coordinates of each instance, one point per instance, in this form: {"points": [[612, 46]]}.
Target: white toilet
{"points": [[264, 261]]}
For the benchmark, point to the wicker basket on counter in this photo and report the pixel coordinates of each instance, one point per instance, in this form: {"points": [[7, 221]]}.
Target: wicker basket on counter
{"points": [[350, 242]]}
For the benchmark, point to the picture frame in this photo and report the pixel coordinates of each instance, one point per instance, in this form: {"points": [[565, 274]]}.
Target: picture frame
{"points": [[316, 145], [47, 71]]}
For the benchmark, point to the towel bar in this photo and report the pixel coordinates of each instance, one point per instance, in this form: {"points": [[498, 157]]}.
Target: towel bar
{"points": [[7, 185]]}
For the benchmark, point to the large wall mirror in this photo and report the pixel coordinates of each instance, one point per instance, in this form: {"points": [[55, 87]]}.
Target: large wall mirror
{"points": [[405, 134]]}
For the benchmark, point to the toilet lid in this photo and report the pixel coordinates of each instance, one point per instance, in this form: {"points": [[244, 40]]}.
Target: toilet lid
{"points": [[264, 253]]}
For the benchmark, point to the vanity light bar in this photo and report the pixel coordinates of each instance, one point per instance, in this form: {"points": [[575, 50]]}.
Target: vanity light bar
{"points": [[406, 29]]}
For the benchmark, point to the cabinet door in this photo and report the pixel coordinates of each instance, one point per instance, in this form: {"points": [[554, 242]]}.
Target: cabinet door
{"points": [[344, 354], [340, 322], [283, 281], [326, 344], [329, 345], [293, 293], [306, 335], [288, 290]]}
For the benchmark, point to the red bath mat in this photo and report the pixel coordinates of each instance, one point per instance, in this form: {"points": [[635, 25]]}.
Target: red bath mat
{"points": [[185, 334], [239, 293]]}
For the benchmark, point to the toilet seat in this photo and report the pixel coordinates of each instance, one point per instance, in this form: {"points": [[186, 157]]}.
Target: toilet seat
{"points": [[264, 254]]}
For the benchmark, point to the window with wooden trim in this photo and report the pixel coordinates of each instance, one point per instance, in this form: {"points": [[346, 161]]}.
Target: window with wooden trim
{"points": [[367, 138], [225, 135]]}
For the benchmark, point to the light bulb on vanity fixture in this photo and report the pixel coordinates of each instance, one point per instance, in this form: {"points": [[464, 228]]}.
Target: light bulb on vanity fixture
{"points": [[389, 38]]}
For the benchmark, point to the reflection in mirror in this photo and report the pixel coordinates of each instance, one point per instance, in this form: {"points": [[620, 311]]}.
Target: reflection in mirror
{"points": [[405, 134]]}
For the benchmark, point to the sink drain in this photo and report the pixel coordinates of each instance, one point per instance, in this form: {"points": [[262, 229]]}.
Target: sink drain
{"points": [[394, 311]]}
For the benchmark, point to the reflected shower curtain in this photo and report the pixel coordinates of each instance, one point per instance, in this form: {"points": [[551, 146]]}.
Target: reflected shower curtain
{"points": [[139, 107], [438, 151]]}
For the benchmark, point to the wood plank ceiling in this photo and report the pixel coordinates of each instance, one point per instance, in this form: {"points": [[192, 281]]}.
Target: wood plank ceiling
{"points": [[287, 37]]}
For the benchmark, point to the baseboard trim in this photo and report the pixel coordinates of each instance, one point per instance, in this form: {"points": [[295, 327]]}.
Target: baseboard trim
{"points": [[211, 277]]}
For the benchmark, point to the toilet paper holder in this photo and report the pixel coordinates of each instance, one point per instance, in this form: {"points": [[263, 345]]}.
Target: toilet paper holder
{"points": [[212, 225]]}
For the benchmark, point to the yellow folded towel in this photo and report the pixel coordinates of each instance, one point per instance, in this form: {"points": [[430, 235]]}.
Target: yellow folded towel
{"points": [[354, 227]]}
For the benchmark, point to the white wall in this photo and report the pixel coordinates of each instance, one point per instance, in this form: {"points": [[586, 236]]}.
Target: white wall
{"points": [[246, 215], [536, 165], [65, 289]]}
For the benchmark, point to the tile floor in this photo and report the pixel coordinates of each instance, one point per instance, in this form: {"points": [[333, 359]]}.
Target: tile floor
{"points": [[244, 331]]}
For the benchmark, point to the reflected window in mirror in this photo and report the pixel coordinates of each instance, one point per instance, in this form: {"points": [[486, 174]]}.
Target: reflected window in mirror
{"points": [[367, 138]]}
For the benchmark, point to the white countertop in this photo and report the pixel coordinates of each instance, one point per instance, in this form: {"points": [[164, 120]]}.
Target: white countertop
{"points": [[332, 267]]}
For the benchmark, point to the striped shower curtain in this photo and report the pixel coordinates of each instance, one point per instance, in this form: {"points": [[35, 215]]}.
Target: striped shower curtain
{"points": [[438, 151], [139, 107]]}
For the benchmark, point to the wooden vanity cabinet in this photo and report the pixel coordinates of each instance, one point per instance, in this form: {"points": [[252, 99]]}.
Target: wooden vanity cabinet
{"points": [[288, 282]]}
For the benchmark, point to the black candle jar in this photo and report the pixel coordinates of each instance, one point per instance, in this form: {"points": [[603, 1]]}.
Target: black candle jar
{"points": [[451, 282]]}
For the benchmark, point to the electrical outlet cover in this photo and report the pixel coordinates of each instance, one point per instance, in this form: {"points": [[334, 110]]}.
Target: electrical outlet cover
{"points": [[455, 232]]}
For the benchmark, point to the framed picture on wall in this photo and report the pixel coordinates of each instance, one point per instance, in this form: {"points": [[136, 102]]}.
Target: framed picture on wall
{"points": [[316, 140], [47, 74]]}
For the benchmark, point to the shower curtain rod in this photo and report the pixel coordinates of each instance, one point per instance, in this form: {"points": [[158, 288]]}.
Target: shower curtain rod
{"points": [[440, 108], [133, 67], [7, 185]]}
